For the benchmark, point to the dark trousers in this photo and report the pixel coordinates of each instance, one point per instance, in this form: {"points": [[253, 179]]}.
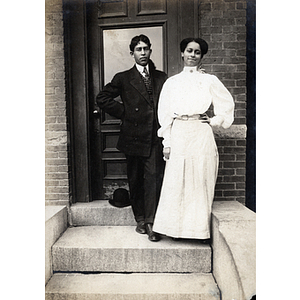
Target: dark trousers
{"points": [[145, 179]]}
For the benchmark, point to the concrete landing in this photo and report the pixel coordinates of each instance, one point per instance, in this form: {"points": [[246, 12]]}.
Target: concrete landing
{"points": [[121, 249], [101, 213], [132, 287]]}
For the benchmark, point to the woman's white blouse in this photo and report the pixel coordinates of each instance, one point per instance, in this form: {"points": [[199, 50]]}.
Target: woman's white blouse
{"points": [[192, 92]]}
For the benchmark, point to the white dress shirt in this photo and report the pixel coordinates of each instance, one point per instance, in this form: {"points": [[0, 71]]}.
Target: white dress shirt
{"points": [[141, 68]]}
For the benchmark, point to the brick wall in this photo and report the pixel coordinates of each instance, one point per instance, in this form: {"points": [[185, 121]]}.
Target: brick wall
{"points": [[222, 24], [56, 144], [232, 170]]}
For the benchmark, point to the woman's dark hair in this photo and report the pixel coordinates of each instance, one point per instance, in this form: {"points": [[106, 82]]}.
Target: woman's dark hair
{"points": [[139, 38], [203, 45]]}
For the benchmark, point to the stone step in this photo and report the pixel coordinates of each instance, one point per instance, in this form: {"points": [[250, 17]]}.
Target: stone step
{"points": [[121, 249], [141, 286], [100, 213], [56, 222]]}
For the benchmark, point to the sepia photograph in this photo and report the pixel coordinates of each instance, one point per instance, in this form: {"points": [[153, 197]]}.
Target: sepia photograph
{"points": [[150, 149]]}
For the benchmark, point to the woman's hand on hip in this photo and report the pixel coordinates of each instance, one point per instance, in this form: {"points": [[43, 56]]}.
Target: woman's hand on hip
{"points": [[166, 153], [205, 119]]}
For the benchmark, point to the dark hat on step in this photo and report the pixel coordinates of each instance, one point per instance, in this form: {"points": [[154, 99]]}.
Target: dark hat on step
{"points": [[120, 198]]}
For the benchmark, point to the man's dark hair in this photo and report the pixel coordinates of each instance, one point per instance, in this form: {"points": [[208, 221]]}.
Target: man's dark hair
{"points": [[203, 45], [139, 38]]}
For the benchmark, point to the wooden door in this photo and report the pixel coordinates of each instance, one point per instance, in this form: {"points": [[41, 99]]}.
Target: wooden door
{"points": [[110, 26]]}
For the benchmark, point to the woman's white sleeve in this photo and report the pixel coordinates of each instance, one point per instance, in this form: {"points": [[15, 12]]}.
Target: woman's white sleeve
{"points": [[223, 104], [165, 115]]}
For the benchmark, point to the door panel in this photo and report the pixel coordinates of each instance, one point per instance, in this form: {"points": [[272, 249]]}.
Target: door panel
{"points": [[150, 7], [116, 56], [113, 8], [110, 26]]}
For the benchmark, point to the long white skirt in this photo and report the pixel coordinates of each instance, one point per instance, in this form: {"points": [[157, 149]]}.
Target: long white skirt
{"points": [[184, 209]]}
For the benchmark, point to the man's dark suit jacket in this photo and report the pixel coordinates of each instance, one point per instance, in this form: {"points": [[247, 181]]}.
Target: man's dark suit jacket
{"points": [[137, 112]]}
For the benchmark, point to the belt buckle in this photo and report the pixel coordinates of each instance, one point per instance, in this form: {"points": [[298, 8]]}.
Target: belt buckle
{"points": [[185, 117]]}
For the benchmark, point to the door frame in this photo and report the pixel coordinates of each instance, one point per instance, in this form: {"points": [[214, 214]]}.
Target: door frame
{"points": [[79, 93], [77, 99]]}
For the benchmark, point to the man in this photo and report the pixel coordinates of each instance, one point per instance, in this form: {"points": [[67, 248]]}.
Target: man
{"points": [[139, 88]]}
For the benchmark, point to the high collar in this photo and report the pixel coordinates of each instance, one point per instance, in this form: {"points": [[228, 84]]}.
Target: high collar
{"points": [[190, 69]]}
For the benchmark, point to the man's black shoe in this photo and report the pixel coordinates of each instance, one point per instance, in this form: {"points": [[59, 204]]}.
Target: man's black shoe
{"points": [[152, 236], [140, 228]]}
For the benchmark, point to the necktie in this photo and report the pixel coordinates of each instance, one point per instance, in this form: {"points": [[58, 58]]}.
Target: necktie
{"points": [[147, 81], [146, 74]]}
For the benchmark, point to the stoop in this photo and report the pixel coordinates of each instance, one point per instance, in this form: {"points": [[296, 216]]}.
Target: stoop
{"points": [[100, 213], [132, 287], [104, 258], [121, 249]]}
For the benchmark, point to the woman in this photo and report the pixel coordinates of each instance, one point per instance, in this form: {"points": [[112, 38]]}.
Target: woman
{"points": [[190, 151]]}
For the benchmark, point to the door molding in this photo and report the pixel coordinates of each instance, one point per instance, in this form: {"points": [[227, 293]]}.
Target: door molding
{"points": [[77, 99]]}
